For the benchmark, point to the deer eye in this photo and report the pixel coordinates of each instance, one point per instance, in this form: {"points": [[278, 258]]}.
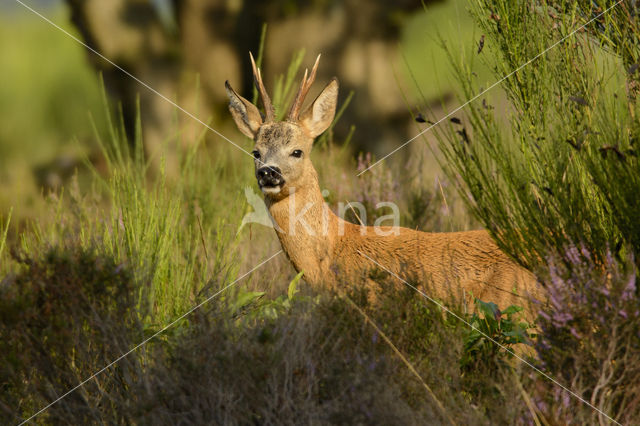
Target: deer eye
{"points": [[297, 153], [256, 154]]}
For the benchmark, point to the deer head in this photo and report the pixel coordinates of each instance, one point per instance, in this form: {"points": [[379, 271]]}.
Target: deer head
{"points": [[282, 148]]}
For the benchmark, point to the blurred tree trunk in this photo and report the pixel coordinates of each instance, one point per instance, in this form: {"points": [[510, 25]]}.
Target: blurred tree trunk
{"points": [[130, 34]]}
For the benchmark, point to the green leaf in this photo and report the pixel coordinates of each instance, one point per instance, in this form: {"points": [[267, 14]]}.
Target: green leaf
{"points": [[293, 285], [512, 310], [246, 298], [516, 333], [489, 309]]}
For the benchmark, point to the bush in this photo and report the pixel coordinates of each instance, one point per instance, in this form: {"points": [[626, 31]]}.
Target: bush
{"points": [[320, 361], [559, 163], [591, 339], [310, 364], [63, 317], [557, 168], [494, 331]]}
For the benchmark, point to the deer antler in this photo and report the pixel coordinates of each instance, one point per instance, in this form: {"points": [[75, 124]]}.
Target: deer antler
{"points": [[294, 112], [266, 101]]}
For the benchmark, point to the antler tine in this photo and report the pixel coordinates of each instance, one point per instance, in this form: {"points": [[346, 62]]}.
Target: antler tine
{"points": [[294, 112], [312, 77], [266, 101]]}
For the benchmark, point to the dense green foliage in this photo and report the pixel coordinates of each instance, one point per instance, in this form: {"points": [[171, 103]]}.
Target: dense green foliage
{"points": [[560, 167], [554, 174]]}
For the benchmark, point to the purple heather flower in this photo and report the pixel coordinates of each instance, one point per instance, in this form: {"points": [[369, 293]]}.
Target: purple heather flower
{"points": [[555, 302], [556, 280], [573, 255], [560, 319], [544, 315], [542, 406], [630, 289], [585, 252], [610, 261]]}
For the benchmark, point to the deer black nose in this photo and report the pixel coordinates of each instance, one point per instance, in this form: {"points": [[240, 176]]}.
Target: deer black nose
{"points": [[269, 176]]}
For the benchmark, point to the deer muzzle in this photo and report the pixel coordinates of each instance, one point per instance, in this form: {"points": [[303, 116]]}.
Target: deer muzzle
{"points": [[269, 177]]}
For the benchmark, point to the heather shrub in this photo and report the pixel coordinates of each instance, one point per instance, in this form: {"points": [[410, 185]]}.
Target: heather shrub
{"points": [[472, 377], [550, 160], [64, 316], [377, 186], [321, 361], [312, 364], [590, 339]]}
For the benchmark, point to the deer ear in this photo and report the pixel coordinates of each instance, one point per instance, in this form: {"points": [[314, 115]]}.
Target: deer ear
{"points": [[245, 114], [319, 115]]}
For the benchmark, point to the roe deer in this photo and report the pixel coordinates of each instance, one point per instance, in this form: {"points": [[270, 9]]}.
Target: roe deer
{"points": [[331, 251]]}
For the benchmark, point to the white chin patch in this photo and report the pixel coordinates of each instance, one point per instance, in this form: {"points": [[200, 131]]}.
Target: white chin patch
{"points": [[271, 189]]}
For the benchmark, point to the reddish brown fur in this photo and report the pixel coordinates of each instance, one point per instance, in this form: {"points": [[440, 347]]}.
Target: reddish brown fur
{"points": [[461, 265], [335, 253]]}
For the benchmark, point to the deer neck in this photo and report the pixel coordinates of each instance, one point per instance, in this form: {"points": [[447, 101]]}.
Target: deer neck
{"points": [[307, 229]]}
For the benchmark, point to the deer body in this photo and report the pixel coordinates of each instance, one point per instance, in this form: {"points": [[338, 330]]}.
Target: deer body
{"points": [[332, 252]]}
